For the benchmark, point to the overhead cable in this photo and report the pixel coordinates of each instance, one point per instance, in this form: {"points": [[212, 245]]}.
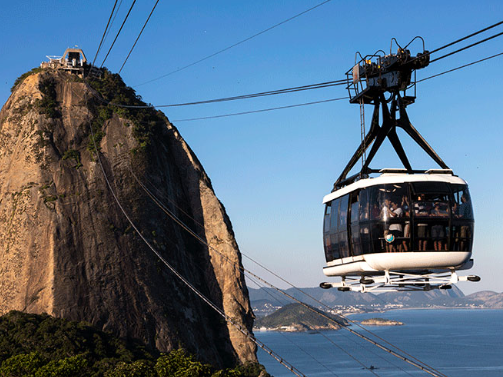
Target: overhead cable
{"points": [[113, 19], [261, 110], [468, 36], [139, 35], [467, 47], [105, 32], [263, 94], [333, 99], [235, 44], [294, 89], [113, 43], [460, 67]]}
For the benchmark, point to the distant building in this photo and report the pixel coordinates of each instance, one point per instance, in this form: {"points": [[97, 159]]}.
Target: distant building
{"points": [[73, 61]]}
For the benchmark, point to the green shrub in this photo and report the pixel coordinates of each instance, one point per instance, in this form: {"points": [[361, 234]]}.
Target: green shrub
{"points": [[48, 104], [22, 365], [179, 363], [67, 367], [72, 154], [139, 368]]}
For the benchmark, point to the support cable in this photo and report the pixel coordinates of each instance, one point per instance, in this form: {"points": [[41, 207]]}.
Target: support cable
{"points": [[467, 47], [260, 111], [460, 67], [292, 342], [123, 22], [227, 318], [294, 89], [235, 44], [330, 100], [113, 19], [330, 340], [464, 38], [105, 32], [205, 243], [139, 35]]}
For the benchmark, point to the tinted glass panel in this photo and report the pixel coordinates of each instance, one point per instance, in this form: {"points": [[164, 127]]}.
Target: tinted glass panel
{"points": [[462, 206], [430, 187], [342, 227], [355, 239], [431, 210], [326, 226], [354, 200], [343, 244], [334, 215], [343, 214], [328, 248], [366, 245], [462, 236], [335, 246], [364, 205]]}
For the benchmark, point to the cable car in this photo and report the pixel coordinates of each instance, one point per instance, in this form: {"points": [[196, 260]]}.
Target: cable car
{"points": [[395, 229]]}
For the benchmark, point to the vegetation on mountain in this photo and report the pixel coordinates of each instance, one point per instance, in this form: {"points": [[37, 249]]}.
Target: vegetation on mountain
{"points": [[41, 345], [113, 91], [298, 317]]}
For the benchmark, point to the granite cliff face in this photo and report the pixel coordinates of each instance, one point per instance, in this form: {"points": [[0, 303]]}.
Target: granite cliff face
{"points": [[67, 249]]}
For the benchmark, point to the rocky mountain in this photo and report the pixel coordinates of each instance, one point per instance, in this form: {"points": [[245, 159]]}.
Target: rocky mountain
{"points": [[488, 299], [67, 248]]}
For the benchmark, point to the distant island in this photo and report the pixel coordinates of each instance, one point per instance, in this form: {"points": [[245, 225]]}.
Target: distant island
{"points": [[297, 317], [380, 322]]}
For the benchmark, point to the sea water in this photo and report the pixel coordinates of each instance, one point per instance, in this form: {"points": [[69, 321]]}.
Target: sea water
{"points": [[455, 342]]}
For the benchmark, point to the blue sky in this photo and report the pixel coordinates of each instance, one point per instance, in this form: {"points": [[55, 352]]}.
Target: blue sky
{"points": [[272, 169]]}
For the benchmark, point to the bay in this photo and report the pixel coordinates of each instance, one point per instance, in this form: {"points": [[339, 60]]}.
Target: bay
{"points": [[455, 342]]}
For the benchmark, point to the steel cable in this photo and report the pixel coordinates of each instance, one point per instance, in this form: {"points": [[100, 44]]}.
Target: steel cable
{"points": [[105, 32], [139, 35], [118, 33], [235, 44]]}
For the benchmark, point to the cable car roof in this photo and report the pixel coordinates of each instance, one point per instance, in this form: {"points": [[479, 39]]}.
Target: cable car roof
{"points": [[389, 176]]}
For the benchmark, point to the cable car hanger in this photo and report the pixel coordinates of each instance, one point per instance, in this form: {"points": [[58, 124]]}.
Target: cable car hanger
{"points": [[368, 81]]}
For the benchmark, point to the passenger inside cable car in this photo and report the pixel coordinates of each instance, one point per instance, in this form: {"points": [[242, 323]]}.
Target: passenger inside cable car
{"points": [[398, 218]]}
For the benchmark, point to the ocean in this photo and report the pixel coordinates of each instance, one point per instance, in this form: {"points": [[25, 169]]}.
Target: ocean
{"points": [[455, 342]]}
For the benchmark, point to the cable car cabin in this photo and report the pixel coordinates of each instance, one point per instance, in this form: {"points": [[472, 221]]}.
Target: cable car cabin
{"points": [[418, 223]]}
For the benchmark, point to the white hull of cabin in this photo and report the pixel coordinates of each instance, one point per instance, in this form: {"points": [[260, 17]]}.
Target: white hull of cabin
{"points": [[368, 264]]}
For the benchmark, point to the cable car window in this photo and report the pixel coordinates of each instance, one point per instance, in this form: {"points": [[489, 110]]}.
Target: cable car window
{"points": [[342, 227], [430, 187], [343, 214], [354, 200], [335, 246], [390, 215], [365, 239], [364, 205], [355, 217], [462, 219], [335, 215], [431, 205], [328, 249], [462, 206], [326, 226]]}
